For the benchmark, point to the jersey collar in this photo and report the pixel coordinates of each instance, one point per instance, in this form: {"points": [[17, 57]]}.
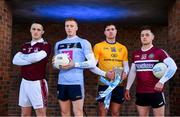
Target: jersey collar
{"points": [[72, 37], [147, 48], [33, 41], [110, 43]]}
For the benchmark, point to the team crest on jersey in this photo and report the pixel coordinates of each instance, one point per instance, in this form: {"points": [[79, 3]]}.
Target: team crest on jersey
{"points": [[113, 49], [151, 56], [143, 56], [36, 50]]}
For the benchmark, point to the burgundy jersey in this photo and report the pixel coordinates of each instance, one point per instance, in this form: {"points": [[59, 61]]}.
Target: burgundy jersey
{"points": [[144, 62], [35, 71]]}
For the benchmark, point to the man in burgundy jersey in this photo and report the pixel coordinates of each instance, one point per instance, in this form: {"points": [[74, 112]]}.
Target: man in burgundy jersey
{"points": [[33, 57], [149, 89]]}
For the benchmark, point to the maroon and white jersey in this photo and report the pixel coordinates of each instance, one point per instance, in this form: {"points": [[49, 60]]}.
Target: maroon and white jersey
{"points": [[35, 71], [144, 62]]}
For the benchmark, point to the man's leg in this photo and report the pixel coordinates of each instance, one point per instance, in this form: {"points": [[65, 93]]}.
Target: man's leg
{"points": [[117, 99], [159, 111], [38, 96], [101, 109], [26, 111], [41, 112], [65, 107], [143, 110], [24, 102], [78, 107], [115, 109]]}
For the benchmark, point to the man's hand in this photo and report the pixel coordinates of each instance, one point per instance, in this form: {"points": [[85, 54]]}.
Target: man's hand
{"points": [[68, 66], [53, 60], [127, 95], [110, 75], [123, 76], [159, 86]]}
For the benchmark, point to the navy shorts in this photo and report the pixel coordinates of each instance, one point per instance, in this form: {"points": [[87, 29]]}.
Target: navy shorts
{"points": [[117, 94], [155, 100], [69, 92]]}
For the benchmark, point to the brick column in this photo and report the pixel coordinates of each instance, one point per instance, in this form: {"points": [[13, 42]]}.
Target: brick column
{"points": [[174, 48], [5, 55]]}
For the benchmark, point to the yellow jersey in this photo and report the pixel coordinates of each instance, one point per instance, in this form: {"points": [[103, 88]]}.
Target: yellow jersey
{"points": [[110, 55]]}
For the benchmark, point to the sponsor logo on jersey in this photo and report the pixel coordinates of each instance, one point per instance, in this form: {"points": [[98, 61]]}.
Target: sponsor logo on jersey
{"points": [[120, 49], [114, 55], [144, 65], [137, 56], [69, 45], [117, 60]]}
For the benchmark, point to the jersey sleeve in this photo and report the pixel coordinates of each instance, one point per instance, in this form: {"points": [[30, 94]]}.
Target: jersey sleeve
{"points": [[87, 48], [56, 49], [96, 52], [47, 48], [125, 58], [21, 48], [132, 58], [162, 55]]}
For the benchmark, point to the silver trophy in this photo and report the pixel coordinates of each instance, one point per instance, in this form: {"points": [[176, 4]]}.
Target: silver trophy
{"points": [[118, 71]]}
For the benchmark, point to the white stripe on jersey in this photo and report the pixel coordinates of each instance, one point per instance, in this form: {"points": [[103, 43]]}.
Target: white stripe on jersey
{"points": [[146, 61], [165, 52], [144, 70]]}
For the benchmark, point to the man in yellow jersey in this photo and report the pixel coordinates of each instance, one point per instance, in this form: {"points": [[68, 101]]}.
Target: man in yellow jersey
{"points": [[109, 55]]}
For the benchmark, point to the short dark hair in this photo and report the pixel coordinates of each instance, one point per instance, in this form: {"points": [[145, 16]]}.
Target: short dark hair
{"points": [[36, 22], [147, 27], [108, 24], [71, 19]]}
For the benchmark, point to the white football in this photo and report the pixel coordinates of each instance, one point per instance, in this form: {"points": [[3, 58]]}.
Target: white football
{"points": [[61, 59], [159, 70]]}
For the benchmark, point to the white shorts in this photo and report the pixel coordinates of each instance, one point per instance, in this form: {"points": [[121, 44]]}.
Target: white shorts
{"points": [[33, 93]]}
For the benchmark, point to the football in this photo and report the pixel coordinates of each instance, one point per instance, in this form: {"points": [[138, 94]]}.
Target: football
{"points": [[159, 70], [61, 59]]}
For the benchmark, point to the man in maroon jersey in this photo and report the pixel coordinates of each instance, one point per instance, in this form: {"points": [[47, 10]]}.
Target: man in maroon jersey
{"points": [[149, 89], [33, 58]]}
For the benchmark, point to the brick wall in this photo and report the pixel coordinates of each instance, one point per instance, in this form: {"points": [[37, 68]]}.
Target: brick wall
{"points": [[5, 54], [174, 48], [128, 35]]}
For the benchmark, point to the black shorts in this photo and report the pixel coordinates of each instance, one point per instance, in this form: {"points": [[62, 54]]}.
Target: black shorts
{"points": [[155, 100], [69, 92], [117, 94]]}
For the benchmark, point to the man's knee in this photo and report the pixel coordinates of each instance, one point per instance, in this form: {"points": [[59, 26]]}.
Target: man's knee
{"points": [[41, 112], [25, 114], [65, 113], [78, 111], [115, 113]]}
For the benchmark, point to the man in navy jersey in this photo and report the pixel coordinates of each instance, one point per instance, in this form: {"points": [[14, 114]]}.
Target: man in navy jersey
{"points": [[33, 57], [149, 89]]}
